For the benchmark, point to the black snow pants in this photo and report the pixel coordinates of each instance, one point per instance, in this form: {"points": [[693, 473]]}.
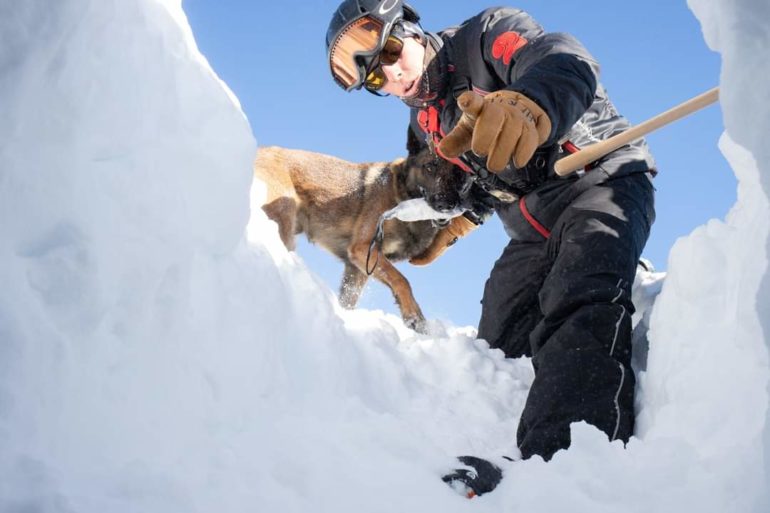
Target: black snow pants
{"points": [[561, 293]]}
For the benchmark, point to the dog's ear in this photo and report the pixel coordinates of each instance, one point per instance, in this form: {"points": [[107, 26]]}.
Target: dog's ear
{"points": [[413, 143]]}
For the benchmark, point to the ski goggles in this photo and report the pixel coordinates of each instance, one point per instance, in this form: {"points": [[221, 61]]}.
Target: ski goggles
{"points": [[389, 55], [359, 52]]}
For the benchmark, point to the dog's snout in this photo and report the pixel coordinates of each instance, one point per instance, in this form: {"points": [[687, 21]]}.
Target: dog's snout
{"points": [[442, 202]]}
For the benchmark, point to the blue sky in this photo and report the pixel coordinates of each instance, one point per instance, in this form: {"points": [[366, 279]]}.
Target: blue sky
{"points": [[272, 55]]}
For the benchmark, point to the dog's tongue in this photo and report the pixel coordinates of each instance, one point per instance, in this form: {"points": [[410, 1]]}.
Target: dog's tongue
{"points": [[418, 209]]}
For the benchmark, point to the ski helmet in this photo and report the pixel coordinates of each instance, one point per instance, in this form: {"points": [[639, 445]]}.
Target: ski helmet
{"points": [[357, 33]]}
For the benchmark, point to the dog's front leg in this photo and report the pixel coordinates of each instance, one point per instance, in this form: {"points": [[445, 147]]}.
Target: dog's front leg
{"points": [[353, 282], [284, 212], [387, 273]]}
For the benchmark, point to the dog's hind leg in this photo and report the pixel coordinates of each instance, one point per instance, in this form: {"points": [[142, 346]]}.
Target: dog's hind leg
{"points": [[284, 212], [353, 281]]}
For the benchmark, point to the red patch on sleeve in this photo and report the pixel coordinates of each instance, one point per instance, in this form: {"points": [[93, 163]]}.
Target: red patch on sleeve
{"points": [[506, 45]]}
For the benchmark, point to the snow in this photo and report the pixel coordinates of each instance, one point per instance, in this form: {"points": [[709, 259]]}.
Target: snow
{"points": [[156, 356]]}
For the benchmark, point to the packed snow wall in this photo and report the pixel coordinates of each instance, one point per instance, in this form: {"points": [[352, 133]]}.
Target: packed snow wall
{"points": [[124, 169], [707, 376], [151, 360]]}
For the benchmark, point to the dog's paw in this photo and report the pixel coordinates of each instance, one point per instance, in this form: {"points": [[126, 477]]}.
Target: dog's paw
{"points": [[418, 324]]}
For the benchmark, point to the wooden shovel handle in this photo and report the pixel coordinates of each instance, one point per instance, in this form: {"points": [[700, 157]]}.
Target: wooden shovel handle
{"points": [[596, 151]]}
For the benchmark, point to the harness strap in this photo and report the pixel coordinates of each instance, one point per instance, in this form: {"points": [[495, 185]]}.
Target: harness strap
{"points": [[542, 230], [429, 120], [570, 147]]}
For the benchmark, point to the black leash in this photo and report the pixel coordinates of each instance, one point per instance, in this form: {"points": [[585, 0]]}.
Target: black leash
{"points": [[376, 241]]}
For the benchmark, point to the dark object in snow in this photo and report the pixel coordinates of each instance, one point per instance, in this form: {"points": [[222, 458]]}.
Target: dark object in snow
{"points": [[481, 477]]}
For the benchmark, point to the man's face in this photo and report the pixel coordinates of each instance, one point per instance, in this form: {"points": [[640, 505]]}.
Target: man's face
{"points": [[404, 75]]}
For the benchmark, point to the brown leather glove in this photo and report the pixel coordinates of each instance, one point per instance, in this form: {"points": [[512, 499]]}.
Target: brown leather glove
{"points": [[502, 126], [448, 235]]}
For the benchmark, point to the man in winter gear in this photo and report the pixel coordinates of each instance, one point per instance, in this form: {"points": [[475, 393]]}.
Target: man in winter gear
{"points": [[505, 100]]}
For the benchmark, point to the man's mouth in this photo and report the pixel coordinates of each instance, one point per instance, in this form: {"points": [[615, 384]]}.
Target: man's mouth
{"points": [[411, 90]]}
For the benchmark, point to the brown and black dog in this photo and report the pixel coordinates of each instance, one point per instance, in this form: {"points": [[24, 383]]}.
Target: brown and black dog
{"points": [[338, 204]]}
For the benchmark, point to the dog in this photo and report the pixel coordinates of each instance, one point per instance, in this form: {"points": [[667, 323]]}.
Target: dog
{"points": [[337, 204]]}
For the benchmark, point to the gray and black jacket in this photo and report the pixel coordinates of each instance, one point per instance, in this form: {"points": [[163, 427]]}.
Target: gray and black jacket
{"points": [[504, 48]]}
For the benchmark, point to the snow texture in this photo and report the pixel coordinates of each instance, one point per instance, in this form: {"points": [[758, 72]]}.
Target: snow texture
{"points": [[157, 355]]}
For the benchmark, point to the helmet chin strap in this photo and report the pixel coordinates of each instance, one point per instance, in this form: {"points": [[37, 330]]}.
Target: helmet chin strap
{"points": [[433, 79]]}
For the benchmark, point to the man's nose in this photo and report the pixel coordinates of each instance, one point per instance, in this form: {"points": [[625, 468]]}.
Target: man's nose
{"points": [[393, 72]]}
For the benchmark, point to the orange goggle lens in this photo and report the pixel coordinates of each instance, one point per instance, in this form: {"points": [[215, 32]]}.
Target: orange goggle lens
{"points": [[361, 37], [389, 55]]}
